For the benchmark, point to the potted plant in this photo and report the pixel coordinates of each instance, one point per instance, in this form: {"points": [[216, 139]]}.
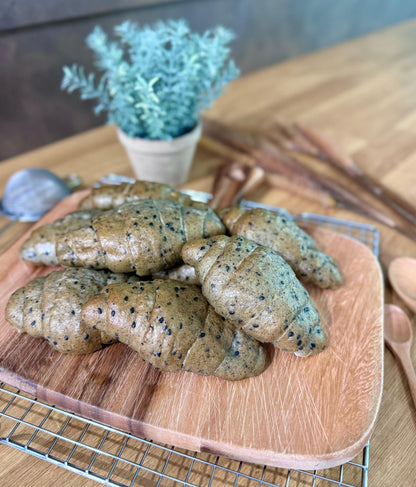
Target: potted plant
{"points": [[155, 83]]}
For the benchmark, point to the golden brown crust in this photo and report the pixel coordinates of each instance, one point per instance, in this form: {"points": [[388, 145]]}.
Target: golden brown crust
{"points": [[40, 247], [256, 289], [287, 239], [142, 236], [112, 196], [50, 307], [173, 328]]}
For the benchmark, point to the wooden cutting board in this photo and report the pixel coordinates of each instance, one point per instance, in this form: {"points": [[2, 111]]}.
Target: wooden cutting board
{"points": [[308, 413]]}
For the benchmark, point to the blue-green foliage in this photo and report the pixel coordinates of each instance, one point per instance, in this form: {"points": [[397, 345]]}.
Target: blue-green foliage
{"points": [[157, 80]]}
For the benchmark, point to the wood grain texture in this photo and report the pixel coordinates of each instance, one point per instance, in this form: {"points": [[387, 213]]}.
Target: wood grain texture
{"points": [[38, 38], [299, 413], [359, 93]]}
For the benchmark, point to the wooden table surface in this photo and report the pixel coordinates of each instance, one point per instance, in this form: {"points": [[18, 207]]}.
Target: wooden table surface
{"points": [[363, 94]]}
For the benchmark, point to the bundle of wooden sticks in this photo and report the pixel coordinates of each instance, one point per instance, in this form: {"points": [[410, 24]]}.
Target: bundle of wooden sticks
{"points": [[289, 156]]}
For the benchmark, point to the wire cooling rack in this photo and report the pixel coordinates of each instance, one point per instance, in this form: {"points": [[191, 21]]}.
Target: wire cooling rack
{"points": [[112, 457]]}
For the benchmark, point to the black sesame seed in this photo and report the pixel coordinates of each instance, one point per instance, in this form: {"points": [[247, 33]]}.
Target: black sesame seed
{"points": [[86, 336], [255, 325], [126, 298], [113, 313], [132, 310], [161, 320], [299, 343], [202, 335], [261, 297], [66, 337], [33, 323], [231, 312], [133, 325], [159, 353], [72, 312], [99, 310], [55, 342], [290, 334], [237, 353]]}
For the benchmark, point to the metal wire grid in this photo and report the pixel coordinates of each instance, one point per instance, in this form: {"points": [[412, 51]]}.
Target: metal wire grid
{"points": [[114, 458]]}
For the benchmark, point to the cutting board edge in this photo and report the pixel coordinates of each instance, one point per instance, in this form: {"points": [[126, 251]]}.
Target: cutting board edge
{"points": [[165, 436], [188, 441]]}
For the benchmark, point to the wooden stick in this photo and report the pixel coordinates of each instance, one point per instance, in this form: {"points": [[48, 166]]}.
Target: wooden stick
{"points": [[299, 140], [285, 184], [272, 159], [255, 178], [218, 147], [341, 193], [230, 184], [223, 192], [240, 142], [294, 185], [336, 156]]}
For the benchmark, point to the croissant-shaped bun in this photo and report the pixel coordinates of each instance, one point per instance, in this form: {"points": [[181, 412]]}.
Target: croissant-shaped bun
{"points": [[172, 327], [287, 239], [143, 236], [50, 307], [256, 289], [112, 196], [40, 247]]}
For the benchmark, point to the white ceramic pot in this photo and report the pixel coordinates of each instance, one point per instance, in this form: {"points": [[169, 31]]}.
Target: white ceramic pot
{"points": [[163, 161]]}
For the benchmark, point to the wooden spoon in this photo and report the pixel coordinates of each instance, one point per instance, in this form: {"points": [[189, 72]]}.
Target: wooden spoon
{"points": [[402, 275], [398, 337]]}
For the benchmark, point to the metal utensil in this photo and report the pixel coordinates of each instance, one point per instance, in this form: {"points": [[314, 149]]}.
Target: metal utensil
{"points": [[30, 193]]}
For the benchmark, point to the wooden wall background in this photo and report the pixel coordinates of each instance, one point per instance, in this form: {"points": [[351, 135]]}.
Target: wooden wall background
{"points": [[38, 37]]}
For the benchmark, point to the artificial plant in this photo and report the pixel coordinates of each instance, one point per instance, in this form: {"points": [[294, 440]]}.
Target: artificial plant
{"points": [[156, 80]]}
